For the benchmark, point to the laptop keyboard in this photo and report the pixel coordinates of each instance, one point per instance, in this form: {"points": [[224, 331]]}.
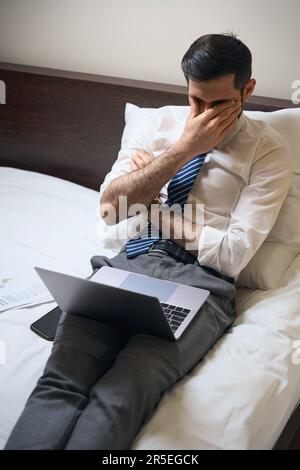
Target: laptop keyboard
{"points": [[174, 314]]}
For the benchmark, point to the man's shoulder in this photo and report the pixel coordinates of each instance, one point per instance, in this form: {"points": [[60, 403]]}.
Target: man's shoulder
{"points": [[270, 146], [267, 141], [263, 133]]}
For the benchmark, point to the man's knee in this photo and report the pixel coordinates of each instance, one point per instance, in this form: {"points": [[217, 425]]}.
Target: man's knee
{"points": [[151, 357]]}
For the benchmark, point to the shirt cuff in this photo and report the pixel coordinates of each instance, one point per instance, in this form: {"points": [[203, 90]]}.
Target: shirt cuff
{"points": [[209, 247]]}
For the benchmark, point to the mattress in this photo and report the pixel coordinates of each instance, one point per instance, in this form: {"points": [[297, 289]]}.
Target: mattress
{"points": [[240, 396]]}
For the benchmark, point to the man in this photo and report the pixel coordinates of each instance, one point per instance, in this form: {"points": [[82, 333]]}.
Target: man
{"points": [[100, 384]]}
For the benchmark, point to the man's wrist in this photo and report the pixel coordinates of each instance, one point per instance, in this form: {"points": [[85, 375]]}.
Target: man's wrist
{"points": [[180, 153], [184, 153]]}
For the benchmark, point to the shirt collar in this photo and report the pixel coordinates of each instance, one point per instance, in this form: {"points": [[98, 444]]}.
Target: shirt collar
{"points": [[237, 127]]}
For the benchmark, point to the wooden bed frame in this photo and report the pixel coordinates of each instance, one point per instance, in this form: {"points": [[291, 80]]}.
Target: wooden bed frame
{"points": [[69, 125]]}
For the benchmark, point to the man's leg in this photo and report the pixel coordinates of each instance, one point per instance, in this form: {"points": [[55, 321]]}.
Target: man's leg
{"points": [[83, 350], [126, 396]]}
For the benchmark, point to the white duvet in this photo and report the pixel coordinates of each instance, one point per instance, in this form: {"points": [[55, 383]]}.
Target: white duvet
{"points": [[239, 397]]}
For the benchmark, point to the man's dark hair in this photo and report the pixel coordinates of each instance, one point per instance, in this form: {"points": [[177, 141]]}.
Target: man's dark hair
{"points": [[214, 55]]}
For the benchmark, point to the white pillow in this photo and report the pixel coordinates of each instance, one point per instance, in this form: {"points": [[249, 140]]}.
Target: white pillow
{"points": [[159, 128], [267, 267]]}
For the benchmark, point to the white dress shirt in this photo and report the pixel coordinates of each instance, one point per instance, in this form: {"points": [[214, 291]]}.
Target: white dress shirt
{"points": [[242, 184]]}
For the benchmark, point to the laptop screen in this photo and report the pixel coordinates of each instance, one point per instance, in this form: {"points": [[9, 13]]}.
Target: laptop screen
{"points": [[149, 286]]}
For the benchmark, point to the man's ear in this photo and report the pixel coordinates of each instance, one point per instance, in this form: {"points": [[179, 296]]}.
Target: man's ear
{"points": [[249, 88]]}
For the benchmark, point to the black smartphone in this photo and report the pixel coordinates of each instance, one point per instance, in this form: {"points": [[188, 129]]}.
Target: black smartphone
{"points": [[46, 325]]}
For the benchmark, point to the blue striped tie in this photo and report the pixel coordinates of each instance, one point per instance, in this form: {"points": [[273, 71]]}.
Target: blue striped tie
{"points": [[178, 190]]}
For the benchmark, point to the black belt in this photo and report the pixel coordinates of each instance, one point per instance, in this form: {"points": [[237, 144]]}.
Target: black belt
{"points": [[179, 253], [174, 250]]}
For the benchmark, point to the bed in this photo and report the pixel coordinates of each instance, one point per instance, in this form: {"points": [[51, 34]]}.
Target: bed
{"points": [[60, 135]]}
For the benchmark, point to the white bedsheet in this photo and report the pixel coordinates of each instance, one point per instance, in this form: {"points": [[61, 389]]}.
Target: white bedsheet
{"points": [[239, 397]]}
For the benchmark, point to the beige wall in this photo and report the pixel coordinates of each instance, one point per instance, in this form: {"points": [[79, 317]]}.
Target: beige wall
{"points": [[146, 39]]}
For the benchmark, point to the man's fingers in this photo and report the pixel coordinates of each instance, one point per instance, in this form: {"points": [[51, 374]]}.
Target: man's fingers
{"points": [[225, 129], [227, 125], [134, 166], [140, 159], [136, 161], [212, 112], [230, 119], [195, 108], [227, 115], [142, 154], [147, 157]]}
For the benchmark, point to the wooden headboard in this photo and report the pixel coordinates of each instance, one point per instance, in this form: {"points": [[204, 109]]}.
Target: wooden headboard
{"points": [[69, 124]]}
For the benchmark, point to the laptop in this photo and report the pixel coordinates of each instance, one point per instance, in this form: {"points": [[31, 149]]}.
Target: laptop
{"points": [[127, 300]]}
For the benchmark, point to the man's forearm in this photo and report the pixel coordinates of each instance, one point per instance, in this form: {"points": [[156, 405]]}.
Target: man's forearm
{"points": [[142, 186]]}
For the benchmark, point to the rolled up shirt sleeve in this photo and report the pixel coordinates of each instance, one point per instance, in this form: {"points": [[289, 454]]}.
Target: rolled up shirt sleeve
{"points": [[138, 135], [229, 251]]}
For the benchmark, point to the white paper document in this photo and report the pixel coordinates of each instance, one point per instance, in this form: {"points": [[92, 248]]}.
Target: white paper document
{"points": [[19, 288]]}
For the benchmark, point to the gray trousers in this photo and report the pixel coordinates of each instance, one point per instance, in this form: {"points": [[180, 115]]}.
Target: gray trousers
{"points": [[101, 385]]}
